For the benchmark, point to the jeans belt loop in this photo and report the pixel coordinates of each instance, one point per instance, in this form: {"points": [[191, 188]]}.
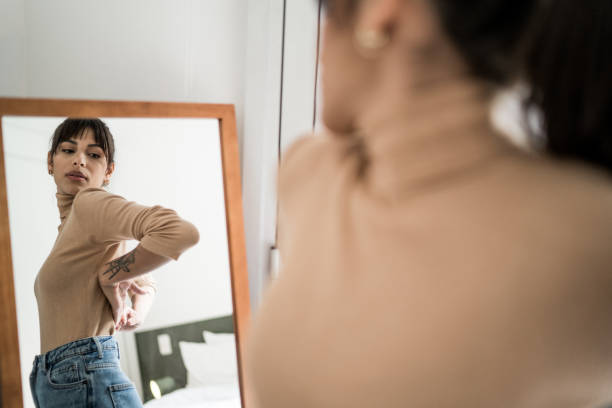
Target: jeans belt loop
{"points": [[99, 346]]}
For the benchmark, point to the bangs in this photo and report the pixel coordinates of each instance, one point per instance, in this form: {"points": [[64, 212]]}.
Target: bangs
{"points": [[75, 129]]}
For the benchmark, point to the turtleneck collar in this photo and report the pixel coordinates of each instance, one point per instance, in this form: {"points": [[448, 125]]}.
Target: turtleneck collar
{"points": [[64, 204], [438, 140]]}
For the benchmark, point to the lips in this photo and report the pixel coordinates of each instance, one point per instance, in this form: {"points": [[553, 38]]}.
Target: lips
{"points": [[76, 175]]}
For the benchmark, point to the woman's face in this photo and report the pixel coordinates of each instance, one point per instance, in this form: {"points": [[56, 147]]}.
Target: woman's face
{"points": [[79, 163]]}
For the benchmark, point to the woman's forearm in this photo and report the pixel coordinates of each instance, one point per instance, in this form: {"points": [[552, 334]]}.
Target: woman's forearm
{"points": [[131, 265], [142, 303]]}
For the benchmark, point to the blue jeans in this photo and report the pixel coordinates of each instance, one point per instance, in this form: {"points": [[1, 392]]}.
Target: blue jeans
{"points": [[84, 373]]}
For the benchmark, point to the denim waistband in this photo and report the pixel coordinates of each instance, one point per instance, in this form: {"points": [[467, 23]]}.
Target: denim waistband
{"points": [[82, 346]]}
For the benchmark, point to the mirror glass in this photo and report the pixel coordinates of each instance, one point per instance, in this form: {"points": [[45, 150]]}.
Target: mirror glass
{"points": [[175, 163]]}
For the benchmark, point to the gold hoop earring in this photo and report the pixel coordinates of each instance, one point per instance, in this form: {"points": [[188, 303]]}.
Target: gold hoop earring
{"points": [[369, 42]]}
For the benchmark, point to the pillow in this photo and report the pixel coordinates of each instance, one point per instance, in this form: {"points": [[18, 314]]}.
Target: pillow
{"points": [[193, 382], [209, 364], [216, 338]]}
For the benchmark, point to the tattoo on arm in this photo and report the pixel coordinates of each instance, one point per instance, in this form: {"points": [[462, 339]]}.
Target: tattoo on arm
{"points": [[120, 264]]}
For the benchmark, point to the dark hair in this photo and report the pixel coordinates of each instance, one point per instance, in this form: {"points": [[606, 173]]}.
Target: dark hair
{"points": [[559, 48], [71, 128], [568, 64], [487, 33]]}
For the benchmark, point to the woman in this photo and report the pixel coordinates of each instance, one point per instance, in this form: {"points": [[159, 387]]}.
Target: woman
{"points": [[426, 261], [82, 286]]}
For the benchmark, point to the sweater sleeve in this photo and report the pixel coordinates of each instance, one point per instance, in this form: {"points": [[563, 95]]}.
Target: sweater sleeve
{"points": [[108, 218]]}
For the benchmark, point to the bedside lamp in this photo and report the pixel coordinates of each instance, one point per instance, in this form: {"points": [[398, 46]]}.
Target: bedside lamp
{"points": [[162, 386]]}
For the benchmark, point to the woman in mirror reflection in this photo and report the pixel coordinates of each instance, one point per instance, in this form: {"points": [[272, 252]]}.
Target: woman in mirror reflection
{"points": [[83, 286], [426, 260]]}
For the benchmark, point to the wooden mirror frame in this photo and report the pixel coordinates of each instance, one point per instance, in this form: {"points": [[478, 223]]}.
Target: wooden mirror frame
{"points": [[10, 384]]}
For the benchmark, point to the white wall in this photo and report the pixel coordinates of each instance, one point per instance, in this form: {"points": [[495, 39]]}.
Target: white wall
{"points": [[12, 48], [188, 50], [299, 70], [262, 128]]}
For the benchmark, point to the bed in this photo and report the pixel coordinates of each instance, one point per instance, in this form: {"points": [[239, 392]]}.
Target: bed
{"points": [[201, 371]]}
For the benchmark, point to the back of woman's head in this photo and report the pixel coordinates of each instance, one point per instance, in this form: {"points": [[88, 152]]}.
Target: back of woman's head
{"points": [[568, 64], [559, 48], [75, 128]]}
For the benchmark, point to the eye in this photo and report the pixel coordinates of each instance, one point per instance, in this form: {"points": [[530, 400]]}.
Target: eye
{"points": [[67, 151], [95, 155]]}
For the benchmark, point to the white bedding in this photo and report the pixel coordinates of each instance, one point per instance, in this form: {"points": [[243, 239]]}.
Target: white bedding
{"points": [[212, 375], [217, 396]]}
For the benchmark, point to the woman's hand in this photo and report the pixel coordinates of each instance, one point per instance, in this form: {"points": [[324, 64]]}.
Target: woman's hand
{"points": [[133, 319], [117, 293], [116, 279]]}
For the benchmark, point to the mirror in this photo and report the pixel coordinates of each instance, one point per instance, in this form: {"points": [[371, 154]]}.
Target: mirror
{"points": [[179, 156]]}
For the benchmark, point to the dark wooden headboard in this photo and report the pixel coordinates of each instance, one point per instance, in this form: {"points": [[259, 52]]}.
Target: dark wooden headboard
{"points": [[154, 366]]}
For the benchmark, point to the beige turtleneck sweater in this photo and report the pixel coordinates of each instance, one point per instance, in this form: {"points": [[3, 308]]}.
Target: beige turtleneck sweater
{"points": [[94, 226], [452, 272]]}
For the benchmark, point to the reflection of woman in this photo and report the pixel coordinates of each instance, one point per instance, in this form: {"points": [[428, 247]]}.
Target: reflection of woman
{"points": [[426, 262], [82, 286]]}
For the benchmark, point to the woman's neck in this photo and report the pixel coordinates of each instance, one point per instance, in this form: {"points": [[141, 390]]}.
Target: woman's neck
{"points": [[438, 105], [419, 134]]}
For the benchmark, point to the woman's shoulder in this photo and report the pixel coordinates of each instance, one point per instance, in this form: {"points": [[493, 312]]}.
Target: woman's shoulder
{"points": [[92, 199], [567, 196], [91, 193], [312, 158], [307, 147], [570, 182]]}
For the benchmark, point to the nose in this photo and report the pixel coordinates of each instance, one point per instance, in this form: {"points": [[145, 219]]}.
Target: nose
{"points": [[79, 160]]}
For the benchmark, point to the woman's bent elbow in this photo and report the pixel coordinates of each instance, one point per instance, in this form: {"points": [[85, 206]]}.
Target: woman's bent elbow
{"points": [[191, 233]]}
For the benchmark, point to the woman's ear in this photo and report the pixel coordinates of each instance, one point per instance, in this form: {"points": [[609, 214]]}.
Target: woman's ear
{"points": [[50, 162], [377, 15], [109, 172], [409, 22], [374, 25]]}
